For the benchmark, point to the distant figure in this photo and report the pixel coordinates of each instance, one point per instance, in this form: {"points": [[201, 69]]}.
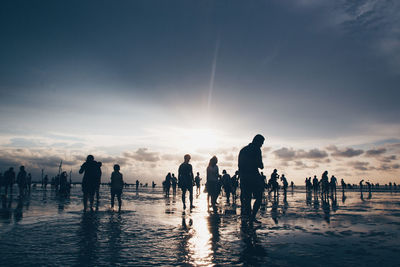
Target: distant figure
{"points": [[63, 183], [292, 185], [92, 171], [167, 184], [117, 184], [343, 185], [22, 181], [333, 184], [9, 180], [325, 184], [186, 180], [315, 185], [137, 185], [174, 182], [227, 184], [197, 180], [153, 184], [369, 187], [212, 182], [251, 183], [361, 186], [29, 182], [273, 182], [45, 181], [284, 183], [235, 184]]}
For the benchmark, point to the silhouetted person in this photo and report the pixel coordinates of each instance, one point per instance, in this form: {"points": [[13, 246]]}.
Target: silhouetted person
{"points": [[167, 184], [9, 180], [22, 181], [174, 182], [343, 185], [284, 183], [227, 184], [92, 171], [333, 184], [45, 181], [292, 185], [325, 185], [197, 180], [212, 182], [63, 189], [369, 186], [315, 184], [117, 184], [273, 182], [186, 180], [137, 185], [361, 186], [235, 184], [251, 183]]}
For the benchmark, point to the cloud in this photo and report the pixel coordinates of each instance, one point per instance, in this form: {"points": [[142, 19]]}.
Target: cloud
{"points": [[291, 154], [312, 154], [285, 153], [388, 159], [346, 153], [143, 154], [359, 165], [375, 152]]}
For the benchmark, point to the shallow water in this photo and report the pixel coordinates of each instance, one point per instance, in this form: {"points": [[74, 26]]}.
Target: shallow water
{"points": [[44, 229]]}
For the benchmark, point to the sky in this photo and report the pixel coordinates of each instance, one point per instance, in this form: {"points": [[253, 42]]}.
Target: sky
{"points": [[141, 83]]}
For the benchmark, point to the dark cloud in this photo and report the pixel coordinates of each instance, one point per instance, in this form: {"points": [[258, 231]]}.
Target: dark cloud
{"points": [[285, 153], [375, 152], [291, 154], [345, 153], [143, 154], [388, 159], [312, 154], [359, 165]]}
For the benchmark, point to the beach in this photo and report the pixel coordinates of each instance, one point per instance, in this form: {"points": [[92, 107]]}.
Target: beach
{"points": [[45, 229]]}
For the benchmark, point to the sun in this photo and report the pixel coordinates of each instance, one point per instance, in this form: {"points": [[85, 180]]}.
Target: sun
{"points": [[199, 139]]}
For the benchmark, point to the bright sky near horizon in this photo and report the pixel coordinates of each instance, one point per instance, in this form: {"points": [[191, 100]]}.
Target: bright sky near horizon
{"points": [[141, 83]]}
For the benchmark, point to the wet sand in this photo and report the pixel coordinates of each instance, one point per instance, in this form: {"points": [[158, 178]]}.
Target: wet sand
{"points": [[45, 229]]}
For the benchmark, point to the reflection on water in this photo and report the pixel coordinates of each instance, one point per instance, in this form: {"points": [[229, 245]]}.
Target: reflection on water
{"points": [[151, 229]]}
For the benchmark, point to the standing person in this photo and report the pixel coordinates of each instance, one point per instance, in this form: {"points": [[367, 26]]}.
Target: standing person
{"points": [[212, 182], [117, 184], [92, 171], [63, 183], [251, 183], [167, 184], [292, 185], [325, 184], [137, 185], [284, 183], [333, 184], [227, 184], [197, 180], [361, 185], [273, 181], [315, 185], [235, 184], [9, 180], [21, 181], [185, 180], [174, 182], [45, 181], [343, 185]]}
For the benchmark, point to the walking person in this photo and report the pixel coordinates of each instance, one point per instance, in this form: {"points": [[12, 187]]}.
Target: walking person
{"points": [[251, 183], [197, 180], [174, 182], [9, 180], [213, 182], [186, 180], [22, 181], [91, 170], [117, 184], [227, 184], [167, 184]]}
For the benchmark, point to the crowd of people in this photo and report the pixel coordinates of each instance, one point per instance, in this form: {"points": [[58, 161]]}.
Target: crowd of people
{"points": [[248, 178]]}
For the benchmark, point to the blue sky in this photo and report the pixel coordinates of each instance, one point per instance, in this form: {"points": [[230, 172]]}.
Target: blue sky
{"points": [[143, 82]]}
